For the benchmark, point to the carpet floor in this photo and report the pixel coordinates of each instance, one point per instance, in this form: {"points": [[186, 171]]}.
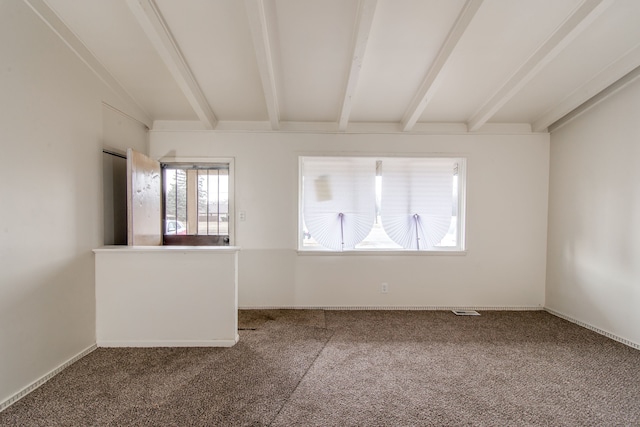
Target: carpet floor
{"points": [[355, 368]]}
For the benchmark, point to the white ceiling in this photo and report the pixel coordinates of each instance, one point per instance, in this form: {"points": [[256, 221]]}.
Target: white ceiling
{"points": [[345, 65]]}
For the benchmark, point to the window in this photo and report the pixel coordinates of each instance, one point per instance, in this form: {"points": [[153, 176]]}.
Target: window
{"points": [[196, 203], [390, 203]]}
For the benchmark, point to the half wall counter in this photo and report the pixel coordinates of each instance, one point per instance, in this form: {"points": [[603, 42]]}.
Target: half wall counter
{"points": [[166, 296]]}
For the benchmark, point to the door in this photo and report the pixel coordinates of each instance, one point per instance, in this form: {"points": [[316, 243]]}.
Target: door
{"points": [[144, 200]]}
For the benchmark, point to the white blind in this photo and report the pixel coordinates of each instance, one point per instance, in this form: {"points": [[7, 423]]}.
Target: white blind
{"points": [[339, 199], [417, 200]]}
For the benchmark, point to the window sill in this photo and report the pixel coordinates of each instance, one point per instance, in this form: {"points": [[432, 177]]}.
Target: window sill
{"points": [[382, 252]]}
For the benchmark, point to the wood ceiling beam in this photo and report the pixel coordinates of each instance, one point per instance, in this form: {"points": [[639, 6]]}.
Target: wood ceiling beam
{"points": [[366, 12], [581, 17], [262, 46], [50, 18], [435, 74], [154, 26], [627, 63]]}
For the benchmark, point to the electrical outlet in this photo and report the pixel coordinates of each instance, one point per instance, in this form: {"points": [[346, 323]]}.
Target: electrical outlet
{"points": [[384, 288], [243, 216]]}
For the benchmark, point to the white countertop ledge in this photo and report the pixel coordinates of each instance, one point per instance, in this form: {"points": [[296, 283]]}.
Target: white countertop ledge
{"points": [[200, 249]]}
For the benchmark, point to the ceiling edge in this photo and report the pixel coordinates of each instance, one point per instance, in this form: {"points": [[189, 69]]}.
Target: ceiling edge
{"points": [[353, 128]]}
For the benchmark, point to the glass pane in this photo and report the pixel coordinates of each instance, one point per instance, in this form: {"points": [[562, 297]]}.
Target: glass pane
{"points": [[175, 201], [424, 194], [417, 201], [207, 205], [451, 238], [339, 200], [170, 201], [212, 203], [377, 238], [203, 202], [223, 202], [181, 202]]}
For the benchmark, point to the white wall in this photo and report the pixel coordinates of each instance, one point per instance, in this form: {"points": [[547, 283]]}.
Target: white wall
{"points": [[51, 192], [119, 132], [507, 193], [594, 217], [166, 296]]}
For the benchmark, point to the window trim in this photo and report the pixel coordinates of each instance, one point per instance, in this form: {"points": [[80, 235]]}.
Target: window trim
{"points": [[209, 161], [460, 249]]}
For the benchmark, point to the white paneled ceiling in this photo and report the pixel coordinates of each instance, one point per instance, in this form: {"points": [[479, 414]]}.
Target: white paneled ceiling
{"points": [[215, 39], [353, 65], [404, 42], [502, 35]]}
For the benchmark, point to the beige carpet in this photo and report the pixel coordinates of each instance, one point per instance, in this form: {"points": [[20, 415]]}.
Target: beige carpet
{"points": [[355, 368]]}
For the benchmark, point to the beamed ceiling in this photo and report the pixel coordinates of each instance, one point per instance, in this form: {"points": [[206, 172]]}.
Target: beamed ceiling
{"points": [[353, 65]]}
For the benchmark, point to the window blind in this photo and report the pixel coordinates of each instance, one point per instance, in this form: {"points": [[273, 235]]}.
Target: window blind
{"points": [[417, 200], [339, 200]]}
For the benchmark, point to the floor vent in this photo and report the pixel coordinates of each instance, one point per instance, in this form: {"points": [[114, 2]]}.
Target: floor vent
{"points": [[465, 313]]}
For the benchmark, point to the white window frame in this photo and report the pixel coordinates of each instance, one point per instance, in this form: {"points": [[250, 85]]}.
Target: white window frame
{"points": [[459, 249], [208, 160]]}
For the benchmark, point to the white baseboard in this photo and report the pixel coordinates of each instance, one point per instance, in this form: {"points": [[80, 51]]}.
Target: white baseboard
{"points": [[593, 328], [170, 343], [43, 379], [410, 308]]}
